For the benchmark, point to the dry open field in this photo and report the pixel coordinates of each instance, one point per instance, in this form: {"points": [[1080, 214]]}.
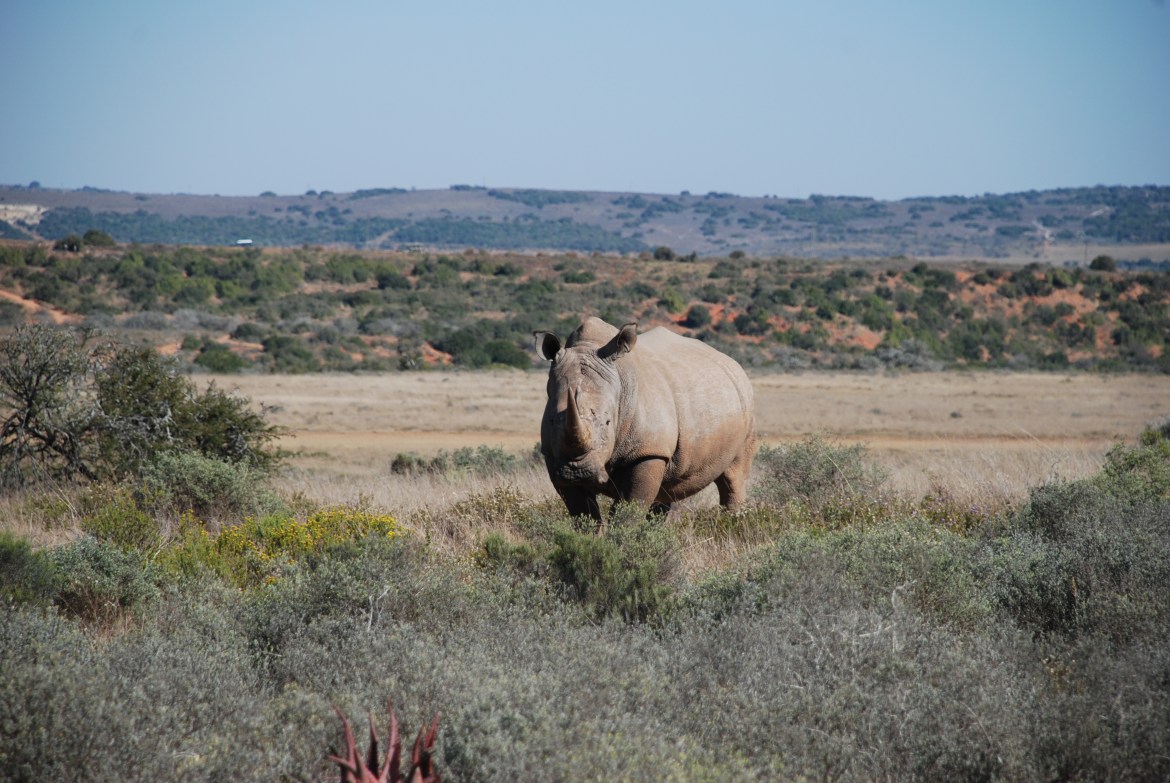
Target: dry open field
{"points": [[990, 435]]}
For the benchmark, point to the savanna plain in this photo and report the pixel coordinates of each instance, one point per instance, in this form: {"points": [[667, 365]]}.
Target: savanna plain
{"points": [[983, 435], [939, 576]]}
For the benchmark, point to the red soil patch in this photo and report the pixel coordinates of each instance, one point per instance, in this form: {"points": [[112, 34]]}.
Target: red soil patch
{"points": [[433, 356], [55, 315]]}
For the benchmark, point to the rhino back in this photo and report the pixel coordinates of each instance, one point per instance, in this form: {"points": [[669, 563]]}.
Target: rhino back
{"points": [[694, 405]]}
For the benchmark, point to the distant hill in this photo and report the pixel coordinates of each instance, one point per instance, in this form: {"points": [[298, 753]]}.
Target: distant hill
{"points": [[1055, 226]]}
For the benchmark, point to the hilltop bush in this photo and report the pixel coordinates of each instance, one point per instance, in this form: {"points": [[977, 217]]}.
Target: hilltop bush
{"points": [[220, 359]]}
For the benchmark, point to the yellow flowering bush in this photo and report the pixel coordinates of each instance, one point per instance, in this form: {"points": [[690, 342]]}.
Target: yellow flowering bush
{"points": [[258, 548]]}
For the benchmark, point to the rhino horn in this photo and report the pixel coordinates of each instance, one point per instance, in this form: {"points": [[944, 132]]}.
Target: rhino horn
{"points": [[577, 440]]}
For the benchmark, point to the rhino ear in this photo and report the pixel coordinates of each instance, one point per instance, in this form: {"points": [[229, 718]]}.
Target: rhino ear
{"points": [[622, 343], [548, 345]]}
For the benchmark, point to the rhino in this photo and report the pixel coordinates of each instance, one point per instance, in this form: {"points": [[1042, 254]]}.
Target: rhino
{"points": [[650, 418]]}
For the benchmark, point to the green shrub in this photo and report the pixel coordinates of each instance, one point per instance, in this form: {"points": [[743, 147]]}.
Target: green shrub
{"points": [[249, 332], [26, 575], [507, 353], [113, 516], [1156, 432], [627, 571], [498, 552], [74, 408], [176, 482], [221, 425], [1103, 264], [624, 573], [260, 549], [100, 583], [672, 301], [47, 429], [96, 238], [408, 462], [1091, 557], [816, 475], [697, 317], [1139, 472], [591, 571], [480, 461], [220, 359], [289, 353], [575, 276]]}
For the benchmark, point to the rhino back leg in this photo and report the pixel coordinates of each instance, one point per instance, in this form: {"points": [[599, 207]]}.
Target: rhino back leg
{"points": [[732, 484]]}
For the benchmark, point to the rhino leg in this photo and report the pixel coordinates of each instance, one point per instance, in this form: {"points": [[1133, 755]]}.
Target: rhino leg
{"points": [[642, 481], [732, 483], [580, 502]]}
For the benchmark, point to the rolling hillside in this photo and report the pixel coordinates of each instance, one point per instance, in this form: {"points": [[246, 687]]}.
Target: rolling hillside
{"points": [[1057, 226]]}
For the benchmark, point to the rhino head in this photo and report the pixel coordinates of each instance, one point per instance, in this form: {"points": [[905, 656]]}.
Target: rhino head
{"points": [[578, 431]]}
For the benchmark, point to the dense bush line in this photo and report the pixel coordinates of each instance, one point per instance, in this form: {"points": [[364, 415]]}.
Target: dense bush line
{"points": [[313, 309], [866, 636]]}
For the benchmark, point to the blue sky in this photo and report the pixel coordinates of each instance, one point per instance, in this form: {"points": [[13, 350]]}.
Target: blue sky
{"points": [[753, 97]]}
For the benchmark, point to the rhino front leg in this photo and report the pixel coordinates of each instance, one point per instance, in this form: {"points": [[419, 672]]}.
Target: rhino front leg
{"points": [[580, 502], [642, 482]]}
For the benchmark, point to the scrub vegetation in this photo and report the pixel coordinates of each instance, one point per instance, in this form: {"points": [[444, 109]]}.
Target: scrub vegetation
{"points": [[226, 310], [189, 620]]}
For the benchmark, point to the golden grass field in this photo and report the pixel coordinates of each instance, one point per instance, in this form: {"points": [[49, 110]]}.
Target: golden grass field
{"points": [[986, 436]]}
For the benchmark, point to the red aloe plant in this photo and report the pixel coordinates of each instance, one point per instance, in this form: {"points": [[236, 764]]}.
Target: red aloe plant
{"points": [[353, 770]]}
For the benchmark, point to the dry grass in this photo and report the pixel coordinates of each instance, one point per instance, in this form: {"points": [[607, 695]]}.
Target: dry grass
{"points": [[979, 434], [43, 517]]}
